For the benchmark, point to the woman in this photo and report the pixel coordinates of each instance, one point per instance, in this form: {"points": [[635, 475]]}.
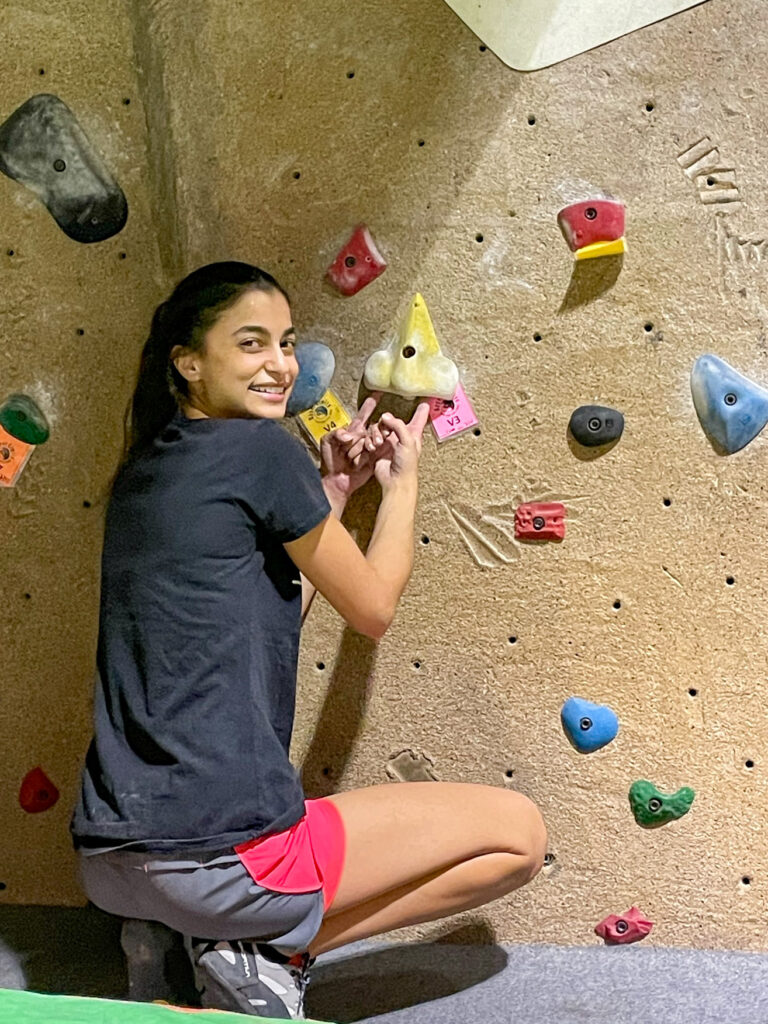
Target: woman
{"points": [[219, 529]]}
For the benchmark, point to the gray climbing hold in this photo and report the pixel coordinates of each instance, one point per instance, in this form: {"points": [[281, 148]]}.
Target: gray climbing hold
{"points": [[43, 147], [316, 366], [732, 409], [593, 425]]}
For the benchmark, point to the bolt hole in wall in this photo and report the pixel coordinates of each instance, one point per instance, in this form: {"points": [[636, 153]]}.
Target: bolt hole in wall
{"points": [[531, 119], [512, 640], [617, 605], [693, 692], [667, 502], [478, 238], [424, 539], [320, 666], [749, 764], [649, 106], [86, 504], [648, 327], [10, 252], [416, 665], [730, 580], [537, 336], [746, 880]]}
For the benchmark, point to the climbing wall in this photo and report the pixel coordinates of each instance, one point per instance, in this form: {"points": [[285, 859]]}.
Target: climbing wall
{"points": [[268, 132]]}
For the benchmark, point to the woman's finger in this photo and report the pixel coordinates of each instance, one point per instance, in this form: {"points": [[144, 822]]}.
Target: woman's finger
{"points": [[419, 419], [397, 427], [364, 412]]}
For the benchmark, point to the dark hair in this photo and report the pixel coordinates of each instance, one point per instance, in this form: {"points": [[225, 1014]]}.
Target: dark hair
{"points": [[183, 319]]}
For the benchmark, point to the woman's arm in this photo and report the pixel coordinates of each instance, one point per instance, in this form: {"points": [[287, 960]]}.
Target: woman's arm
{"points": [[365, 589], [338, 503]]}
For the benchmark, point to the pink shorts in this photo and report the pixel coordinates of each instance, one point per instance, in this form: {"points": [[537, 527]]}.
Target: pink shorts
{"points": [[304, 858]]}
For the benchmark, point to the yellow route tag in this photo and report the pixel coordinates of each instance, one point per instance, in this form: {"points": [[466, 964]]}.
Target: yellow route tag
{"points": [[325, 416]]}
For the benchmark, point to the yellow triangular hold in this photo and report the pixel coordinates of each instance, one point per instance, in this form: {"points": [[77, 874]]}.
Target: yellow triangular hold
{"points": [[602, 249], [413, 365]]}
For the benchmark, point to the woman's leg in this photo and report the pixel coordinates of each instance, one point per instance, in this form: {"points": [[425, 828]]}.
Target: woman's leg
{"points": [[419, 851]]}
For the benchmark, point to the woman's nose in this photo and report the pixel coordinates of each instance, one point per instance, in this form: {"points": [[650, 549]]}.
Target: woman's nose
{"points": [[277, 361]]}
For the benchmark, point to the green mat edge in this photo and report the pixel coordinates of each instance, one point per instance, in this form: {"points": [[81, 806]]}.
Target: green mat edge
{"points": [[18, 1006]]}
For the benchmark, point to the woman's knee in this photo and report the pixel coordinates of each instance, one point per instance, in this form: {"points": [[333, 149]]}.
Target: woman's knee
{"points": [[528, 834]]}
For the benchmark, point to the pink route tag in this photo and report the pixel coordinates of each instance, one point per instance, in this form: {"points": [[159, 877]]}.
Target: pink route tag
{"points": [[450, 417]]}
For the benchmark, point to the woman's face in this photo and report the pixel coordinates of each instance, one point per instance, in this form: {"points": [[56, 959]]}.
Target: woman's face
{"points": [[248, 366]]}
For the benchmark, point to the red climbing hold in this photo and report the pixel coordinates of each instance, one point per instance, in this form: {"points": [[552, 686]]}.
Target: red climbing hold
{"points": [[594, 220], [37, 792], [618, 929], [540, 520], [358, 263]]}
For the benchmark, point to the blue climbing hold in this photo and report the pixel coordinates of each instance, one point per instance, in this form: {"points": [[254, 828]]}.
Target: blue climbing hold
{"points": [[732, 409], [588, 726], [316, 366]]}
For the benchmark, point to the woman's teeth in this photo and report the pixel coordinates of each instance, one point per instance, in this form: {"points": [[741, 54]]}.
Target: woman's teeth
{"points": [[268, 391]]}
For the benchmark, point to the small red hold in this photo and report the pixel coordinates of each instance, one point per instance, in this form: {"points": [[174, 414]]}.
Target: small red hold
{"points": [[540, 520], [358, 263], [37, 792], [619, 929], [595, 220]]}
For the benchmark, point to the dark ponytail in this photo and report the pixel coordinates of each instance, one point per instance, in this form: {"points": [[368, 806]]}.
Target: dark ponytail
{"points": [[183, 319]]}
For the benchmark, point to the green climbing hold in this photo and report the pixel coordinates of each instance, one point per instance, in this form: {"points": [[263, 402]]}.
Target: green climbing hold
{"points": [[652, 808], [24, 420]]}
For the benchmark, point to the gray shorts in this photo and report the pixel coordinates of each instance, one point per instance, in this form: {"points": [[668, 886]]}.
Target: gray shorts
{"points": [[209, 896]]}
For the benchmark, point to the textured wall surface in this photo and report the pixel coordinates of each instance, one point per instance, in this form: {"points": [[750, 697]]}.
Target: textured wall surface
{"points": [[265, 131]]}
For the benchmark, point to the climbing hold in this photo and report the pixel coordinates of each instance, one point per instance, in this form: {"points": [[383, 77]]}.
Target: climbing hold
{"points": [[43, 146], [325, 416], [540, 520], [620, 929], [22, 427], [37, 792], [358, 263], [413, 365], [732, 409], [451, 416], [652, 808], [23, 419], [594, 227], [588, 726], [316, 366], [593, 425]]}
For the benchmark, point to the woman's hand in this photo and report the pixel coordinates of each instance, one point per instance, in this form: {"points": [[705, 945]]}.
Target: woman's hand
{"points": [[398, 458], [347, 454]]}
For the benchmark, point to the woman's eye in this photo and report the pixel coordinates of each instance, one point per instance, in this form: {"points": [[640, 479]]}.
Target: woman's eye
{"points": [[289, 342], [249, 341]]}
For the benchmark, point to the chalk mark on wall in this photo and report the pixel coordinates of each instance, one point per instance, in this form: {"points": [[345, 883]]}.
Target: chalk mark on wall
{"points": [[735, 249], [701, 164]]}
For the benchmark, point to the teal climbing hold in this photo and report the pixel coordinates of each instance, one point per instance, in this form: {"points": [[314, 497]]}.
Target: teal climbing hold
{"points": [[731, 408], [21, 416]]}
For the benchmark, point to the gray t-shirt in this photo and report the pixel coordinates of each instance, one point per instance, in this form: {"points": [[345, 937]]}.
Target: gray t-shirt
{"points": [[198, 641]]}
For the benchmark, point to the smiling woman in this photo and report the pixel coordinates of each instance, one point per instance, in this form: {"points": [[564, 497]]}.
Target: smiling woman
{"points": [[247, 365]]}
